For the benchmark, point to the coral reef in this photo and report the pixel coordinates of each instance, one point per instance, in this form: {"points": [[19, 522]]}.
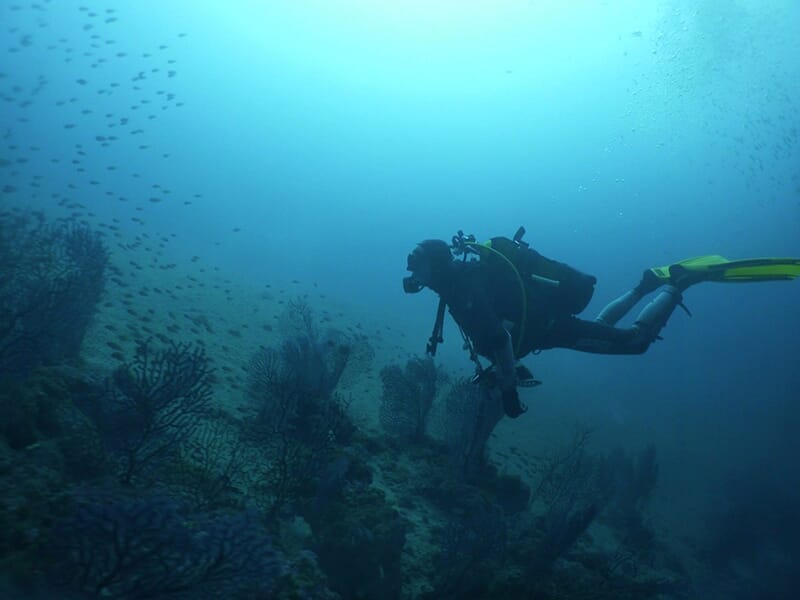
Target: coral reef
{"points": [[146, 548], [630, 482], [407, 398], [53, 278], [210, 465], [298, 420], [129, 482], [153, 405], [359, 541], [471, 412], [473, 548]]}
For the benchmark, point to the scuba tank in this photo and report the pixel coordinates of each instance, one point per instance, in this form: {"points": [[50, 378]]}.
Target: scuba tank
{"points": [[561, 287], [566, 289]]}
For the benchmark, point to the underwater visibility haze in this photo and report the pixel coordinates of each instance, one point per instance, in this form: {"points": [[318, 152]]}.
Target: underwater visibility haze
{"points": [[212, 384]]}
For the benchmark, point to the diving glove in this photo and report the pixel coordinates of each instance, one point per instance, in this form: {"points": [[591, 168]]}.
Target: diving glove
{"points": [[511, 404]]}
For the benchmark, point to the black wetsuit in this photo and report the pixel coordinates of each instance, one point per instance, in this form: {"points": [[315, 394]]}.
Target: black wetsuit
{"points": [[482, 297]]}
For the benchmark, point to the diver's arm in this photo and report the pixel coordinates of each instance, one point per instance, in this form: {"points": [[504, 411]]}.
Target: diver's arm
{"points": [[504, 361], [505, 366], [481, 323]]}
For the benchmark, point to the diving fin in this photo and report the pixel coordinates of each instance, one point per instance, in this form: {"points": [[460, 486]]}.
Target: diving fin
{"points": [[714, 267]]}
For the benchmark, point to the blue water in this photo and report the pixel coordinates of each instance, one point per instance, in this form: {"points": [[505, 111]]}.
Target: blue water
{"points": [[320, 140]]}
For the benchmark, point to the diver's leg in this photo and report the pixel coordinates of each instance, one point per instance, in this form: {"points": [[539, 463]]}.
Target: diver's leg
{"points": [[654, 316], [599, 338], [616, 309]]}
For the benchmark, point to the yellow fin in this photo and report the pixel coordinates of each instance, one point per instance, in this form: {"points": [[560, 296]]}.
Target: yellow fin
{"points": [[719, 268]]}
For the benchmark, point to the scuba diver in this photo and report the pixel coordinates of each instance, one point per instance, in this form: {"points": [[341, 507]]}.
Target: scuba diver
{"points": [[509, 301]]}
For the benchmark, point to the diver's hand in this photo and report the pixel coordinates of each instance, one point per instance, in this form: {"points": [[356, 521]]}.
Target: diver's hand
{"points": [[511, 403]]}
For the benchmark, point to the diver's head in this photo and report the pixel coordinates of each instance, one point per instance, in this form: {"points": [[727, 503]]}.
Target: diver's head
{"points": [[428, 263]]}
